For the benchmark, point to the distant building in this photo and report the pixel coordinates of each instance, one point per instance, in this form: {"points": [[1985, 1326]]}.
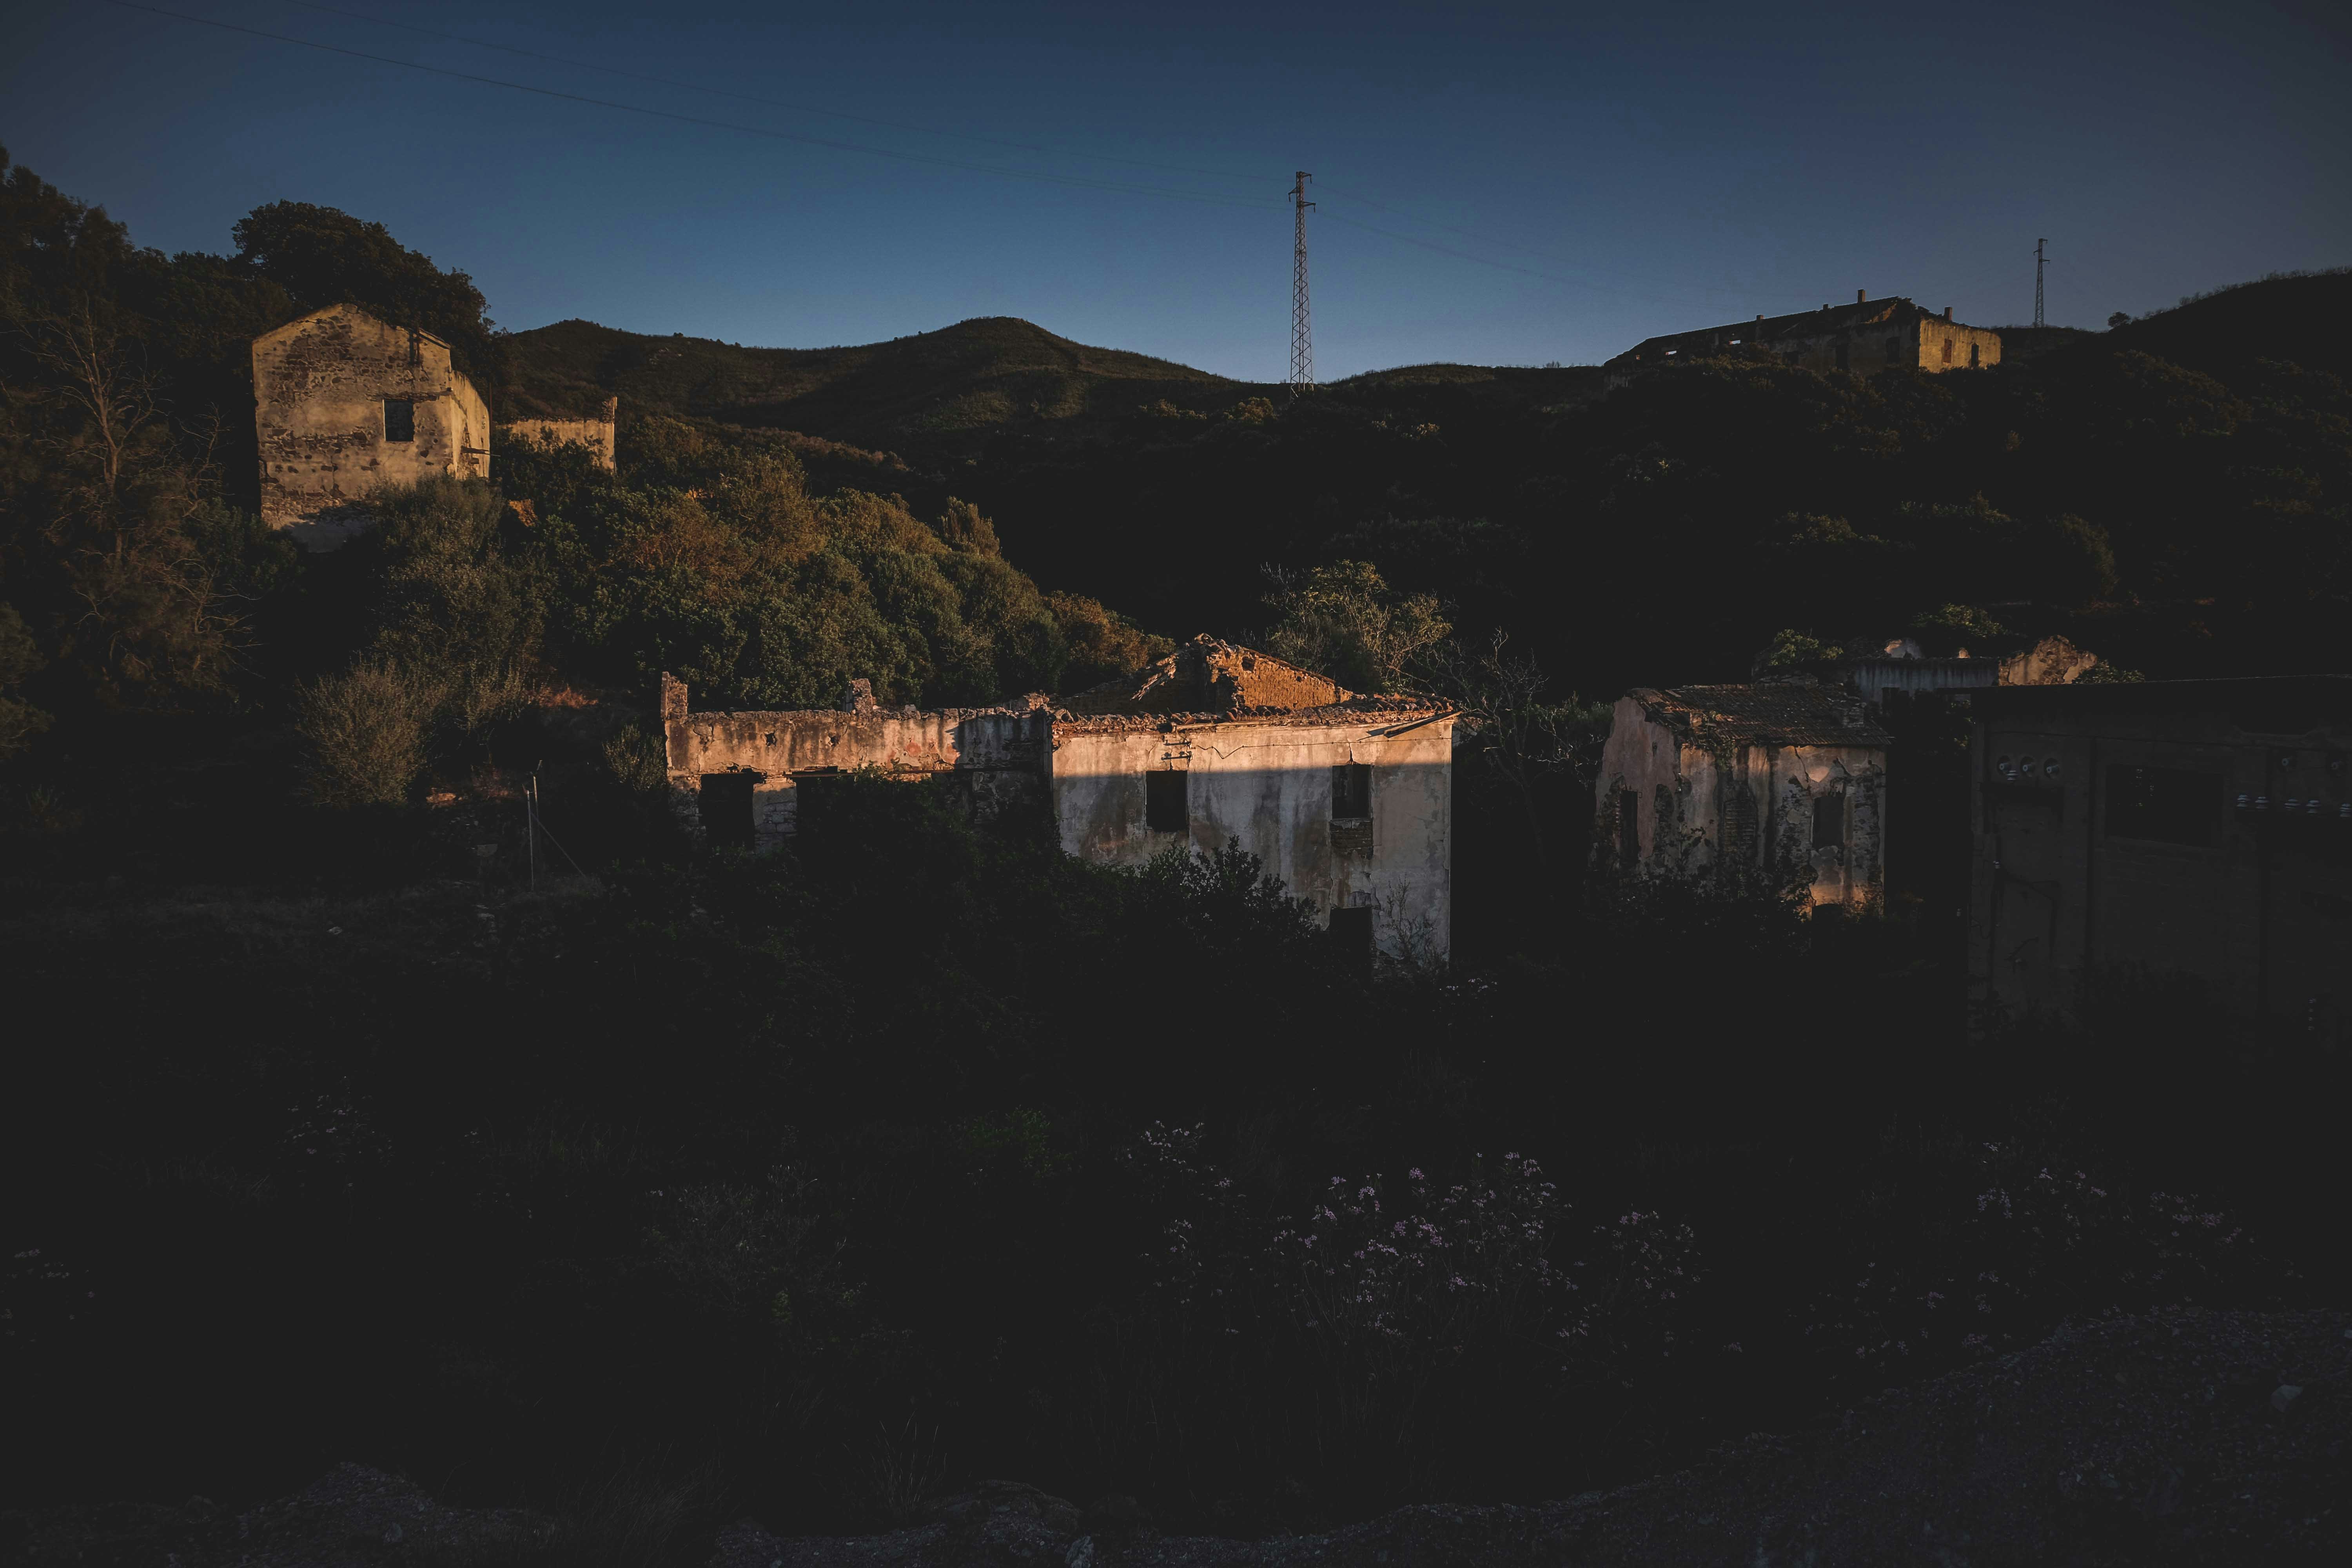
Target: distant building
{"points": [[345, 404], [592, 431], [2196, 828], [1785, 779], [1348, 798], [1861, 337]]}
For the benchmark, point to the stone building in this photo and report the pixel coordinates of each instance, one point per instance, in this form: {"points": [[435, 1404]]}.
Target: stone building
{"points": [[1786, 779], [1865, 336], [595, 432], [2199, 830], [345, 404], [1348, 798]]}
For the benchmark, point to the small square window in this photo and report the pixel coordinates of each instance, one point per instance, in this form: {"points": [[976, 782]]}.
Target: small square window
{"points": [[1351, 792], [399, 419], [1165, 809]]}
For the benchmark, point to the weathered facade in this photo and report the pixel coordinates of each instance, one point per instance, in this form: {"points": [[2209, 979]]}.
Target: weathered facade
{"points": [[345, 404], [595, 433], [1347, 798], [1865, 336], [2196, 828], [1785, 779]]}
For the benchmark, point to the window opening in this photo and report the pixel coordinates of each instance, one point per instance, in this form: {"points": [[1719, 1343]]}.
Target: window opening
{"points": [[1740, 824], [399, 419], [1165, 809], [1629, 827], [1829, 821], [726, 801], [1893, 351], [1976, 356], [1947, 351], [1351, 792], [1844, 355], [2171, 805]]}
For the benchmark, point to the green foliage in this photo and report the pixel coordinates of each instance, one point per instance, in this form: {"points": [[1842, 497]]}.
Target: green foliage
{"points": [[366, 732], [1961, 620], [1345, 621], [1790, 647], [20, 657]]}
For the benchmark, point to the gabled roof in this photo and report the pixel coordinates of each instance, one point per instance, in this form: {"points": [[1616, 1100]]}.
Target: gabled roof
{"points": [[1209, 676], [347, 307], [1768, 713]]}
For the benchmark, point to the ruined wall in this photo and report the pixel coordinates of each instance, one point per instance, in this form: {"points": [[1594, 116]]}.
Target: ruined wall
{"points": [[596, 434], [1692, 801], [781, 752], [1927, 343], [1266, 782], [2172, 830], [319, 386]]}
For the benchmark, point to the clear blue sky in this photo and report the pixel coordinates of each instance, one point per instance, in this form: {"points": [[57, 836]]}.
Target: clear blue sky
{"points": [[1649, 167]]}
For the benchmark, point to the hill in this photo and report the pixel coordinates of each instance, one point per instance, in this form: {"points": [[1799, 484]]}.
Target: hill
{"points": [[938, 394], [2303, 317]]}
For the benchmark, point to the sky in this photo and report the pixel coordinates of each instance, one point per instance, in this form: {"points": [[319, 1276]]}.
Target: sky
{"points": [[1496, 183]]}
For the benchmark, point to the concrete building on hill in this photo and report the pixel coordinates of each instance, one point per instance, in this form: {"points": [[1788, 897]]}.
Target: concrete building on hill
{"points": [[1346, 798], [1783, 779], [345, 404], [1865, 336]]}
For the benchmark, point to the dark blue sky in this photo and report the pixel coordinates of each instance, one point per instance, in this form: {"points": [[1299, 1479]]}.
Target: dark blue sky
{"points": [[1647, 168]]}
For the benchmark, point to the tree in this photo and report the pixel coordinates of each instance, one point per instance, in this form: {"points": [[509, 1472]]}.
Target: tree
{"points": [[1345, 621]]}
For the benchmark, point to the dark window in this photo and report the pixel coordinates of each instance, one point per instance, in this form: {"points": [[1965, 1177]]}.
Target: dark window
{"points": [[1893, 351], [727, 810], [1844, 355], [1629, 826], [2172, 806], [1164, 808], [1351, 791], [1351, 933], [1740, 824], [399, 419], [1976, 356], [1829, 821], [1947, 351]]}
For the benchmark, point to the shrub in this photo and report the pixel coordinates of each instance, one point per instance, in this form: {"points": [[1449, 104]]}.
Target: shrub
{"points": [[366, 732]]}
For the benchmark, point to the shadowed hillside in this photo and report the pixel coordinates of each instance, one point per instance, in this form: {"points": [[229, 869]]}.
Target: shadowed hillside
{"points": [[940, 393]]}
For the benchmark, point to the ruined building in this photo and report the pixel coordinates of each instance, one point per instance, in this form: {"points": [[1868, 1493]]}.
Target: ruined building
{"points": [[2186, 833], [1861, 337], [1348, 798], [344, 405], [593, 432], [1785, 779]]}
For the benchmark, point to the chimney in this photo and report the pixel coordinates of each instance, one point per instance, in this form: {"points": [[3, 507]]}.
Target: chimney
{"points": [[1862, 296], [1948, 312]]}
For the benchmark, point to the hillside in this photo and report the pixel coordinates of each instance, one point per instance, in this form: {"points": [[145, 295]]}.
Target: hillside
{"points": [[935, 394]]}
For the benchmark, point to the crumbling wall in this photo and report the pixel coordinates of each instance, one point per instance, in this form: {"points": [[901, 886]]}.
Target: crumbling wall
{"points": [[1268, 782], [319, 386], [596, 434]]}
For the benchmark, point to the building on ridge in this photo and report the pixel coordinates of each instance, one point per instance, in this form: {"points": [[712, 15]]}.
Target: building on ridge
{"points": [[1865, 336], [594, 431], [1348, 798], [345, 404]]}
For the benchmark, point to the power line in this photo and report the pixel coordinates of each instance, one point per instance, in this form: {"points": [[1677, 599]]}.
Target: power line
{"points": [[772, 102], [1203, 198]]}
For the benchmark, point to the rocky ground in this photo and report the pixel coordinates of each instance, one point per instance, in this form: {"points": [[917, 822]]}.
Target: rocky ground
{"points": [[2176, 1438]]}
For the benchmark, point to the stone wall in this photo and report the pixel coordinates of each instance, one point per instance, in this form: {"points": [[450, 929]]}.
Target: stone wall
{"points": [[320, 390], [596, 434]]}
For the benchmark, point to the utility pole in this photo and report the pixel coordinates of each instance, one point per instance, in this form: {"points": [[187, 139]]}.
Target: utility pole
{"points": [[2039, 260], [1302, 348]]}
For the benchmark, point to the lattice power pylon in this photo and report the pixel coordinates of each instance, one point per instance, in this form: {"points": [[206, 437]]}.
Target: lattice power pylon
{"points": [[2039, 261], [1302, 343]]}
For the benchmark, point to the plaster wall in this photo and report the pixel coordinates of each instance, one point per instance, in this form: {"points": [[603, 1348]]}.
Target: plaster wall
{"points": [[1684, 799], [1267, 783]]}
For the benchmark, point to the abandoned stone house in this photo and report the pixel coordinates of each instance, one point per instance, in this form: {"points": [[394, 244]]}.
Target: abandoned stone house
{"points": [[345, 404], [1345, 798], [2190, 834], [1785, 779], [1864, 336]]}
